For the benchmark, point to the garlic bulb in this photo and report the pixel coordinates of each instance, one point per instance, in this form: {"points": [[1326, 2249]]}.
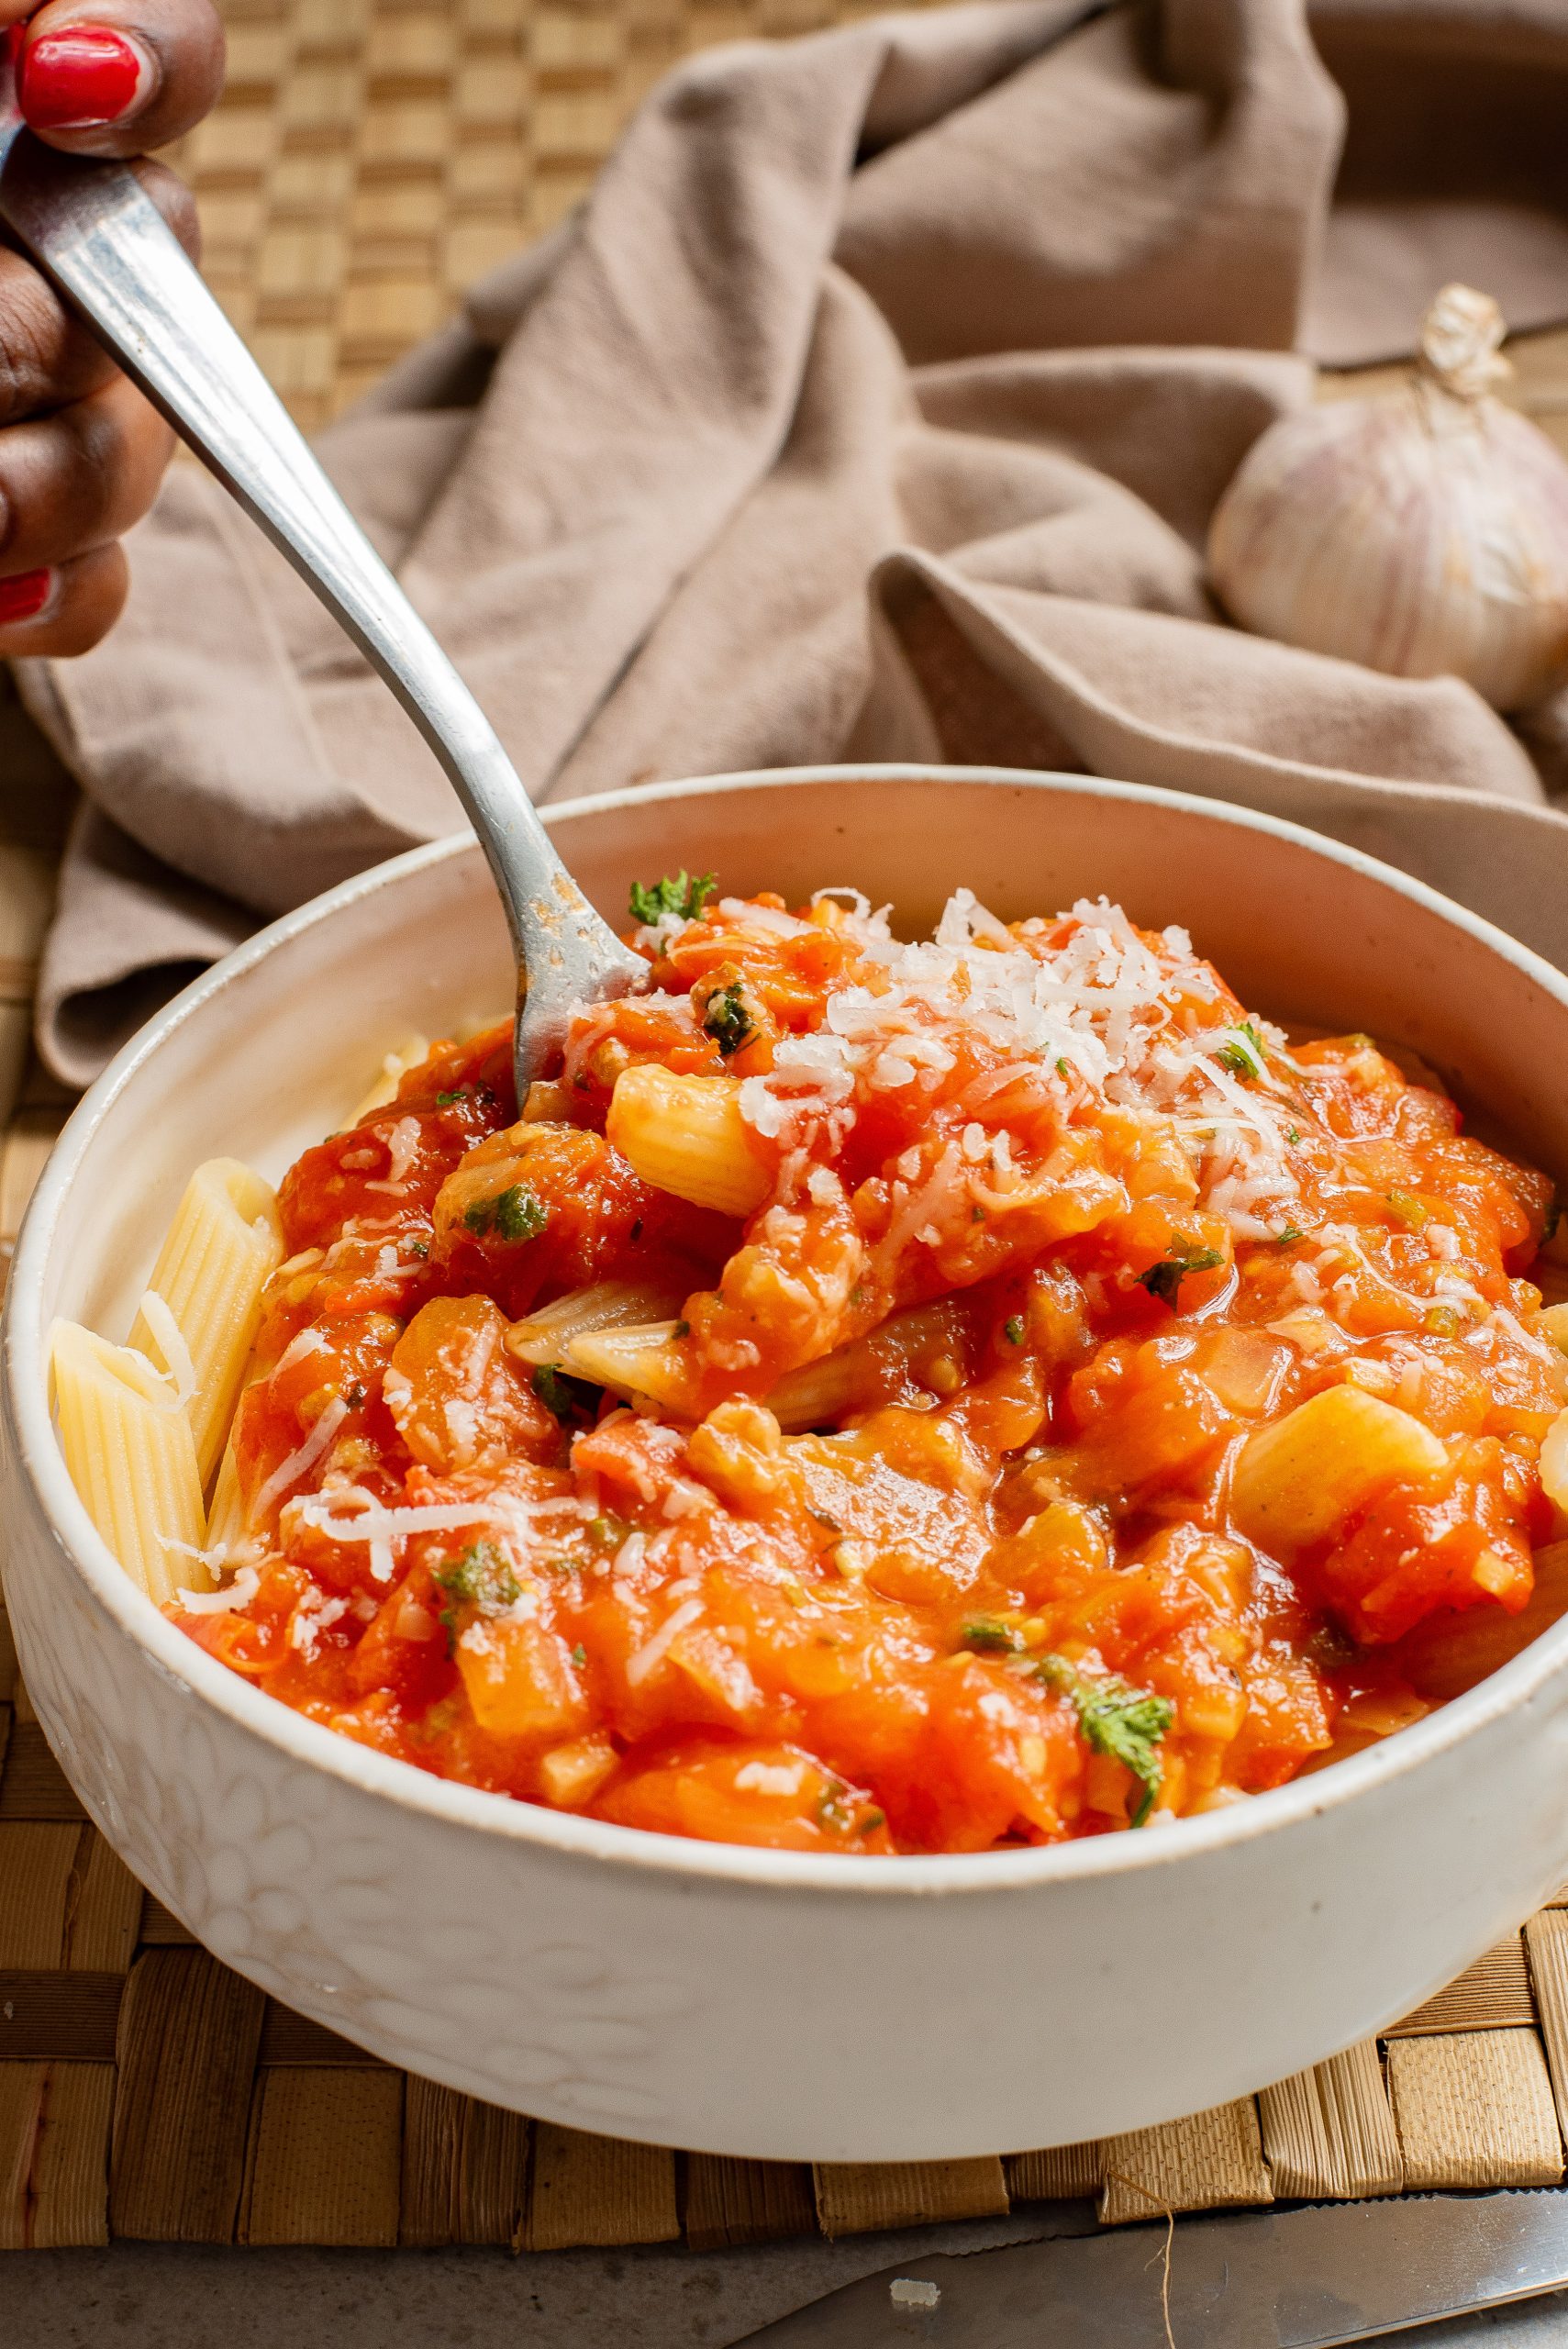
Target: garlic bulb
{"points": [[1423, 532]]}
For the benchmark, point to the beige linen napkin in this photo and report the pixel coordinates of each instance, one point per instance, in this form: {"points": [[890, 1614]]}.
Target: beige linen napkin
{"points": [[875, 404]]}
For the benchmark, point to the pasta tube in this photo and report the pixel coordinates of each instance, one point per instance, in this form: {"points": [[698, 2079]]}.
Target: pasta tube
{"points": [[226, 1519], [865, 1373], [1300, 1480], [546, 1338], [686, 1134], [198, 1319], [393, 1068], [132, 1458], [639, 1360]]}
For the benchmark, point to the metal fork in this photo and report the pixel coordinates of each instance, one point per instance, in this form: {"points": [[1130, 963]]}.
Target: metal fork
{"points": [[98, 236]]}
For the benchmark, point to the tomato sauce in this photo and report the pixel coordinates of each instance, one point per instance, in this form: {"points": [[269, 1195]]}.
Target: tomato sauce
{"points": [[941, 1515]]}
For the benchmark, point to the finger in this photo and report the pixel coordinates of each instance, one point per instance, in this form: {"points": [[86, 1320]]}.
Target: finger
{"points": [[47, 356], [116, 77], [64, 610], [72, 482]]}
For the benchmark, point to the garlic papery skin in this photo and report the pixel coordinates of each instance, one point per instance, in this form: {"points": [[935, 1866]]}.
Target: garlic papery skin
{"points": [[1423, 532]]}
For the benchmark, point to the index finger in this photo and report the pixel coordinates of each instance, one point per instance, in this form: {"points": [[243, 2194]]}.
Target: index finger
{"points": [[116, 77]]}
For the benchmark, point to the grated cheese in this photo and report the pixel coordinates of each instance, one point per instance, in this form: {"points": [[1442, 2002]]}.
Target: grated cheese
{"points": [[288, 1472], [238, 1593], [181, 1372], [403, 1149], [653, 1652]]}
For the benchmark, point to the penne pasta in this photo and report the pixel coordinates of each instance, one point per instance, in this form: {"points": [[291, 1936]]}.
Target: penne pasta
{"points": [[545, 1338], [686, 1134], [859, 1376], [1301, 1479], [226, 1518], [198, 1318], [637, 1360], [132, 1458], [393, 1068]]}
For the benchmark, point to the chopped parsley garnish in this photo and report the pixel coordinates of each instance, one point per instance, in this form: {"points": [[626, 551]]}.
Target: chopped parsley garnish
{"points": [[569, 1399], [1292, 1133], [1407, 1210], [1063, 1065], [480, 1579], [984, 1633], [680, 893], [420, 1247], [579, 1655], [1125, 1723], [1289, 1236], [512, 1214], [1242, 1051], [1013, 1329], [836, 1810], [728, 1022], [1162, 1280], [445, 1100]]}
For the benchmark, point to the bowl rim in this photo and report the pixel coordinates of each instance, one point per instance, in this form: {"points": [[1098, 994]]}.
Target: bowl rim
{"points": [[567, 1836]]}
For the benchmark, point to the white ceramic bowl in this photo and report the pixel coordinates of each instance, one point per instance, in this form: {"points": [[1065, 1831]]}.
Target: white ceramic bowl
{"points": [[748, 2001]]}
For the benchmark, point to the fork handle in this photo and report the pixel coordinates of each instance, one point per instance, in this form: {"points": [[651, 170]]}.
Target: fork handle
{"points": [[96, 233]]}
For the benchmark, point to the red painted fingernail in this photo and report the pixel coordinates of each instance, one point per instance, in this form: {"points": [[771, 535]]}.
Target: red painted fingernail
{"points": [[82, 77], [23, 597]]}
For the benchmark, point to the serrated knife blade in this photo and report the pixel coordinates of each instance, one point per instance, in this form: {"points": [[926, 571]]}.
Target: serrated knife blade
{"points": [[1279, 2279]]}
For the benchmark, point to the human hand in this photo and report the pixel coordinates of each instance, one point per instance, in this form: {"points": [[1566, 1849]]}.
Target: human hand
{"points": [[81, 453]]}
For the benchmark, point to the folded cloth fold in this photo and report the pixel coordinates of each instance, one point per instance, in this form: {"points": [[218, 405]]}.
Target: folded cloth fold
{"points": [[872, 405]]}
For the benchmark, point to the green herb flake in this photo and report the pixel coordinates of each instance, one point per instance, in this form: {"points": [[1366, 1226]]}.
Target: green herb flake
{"points": [[419, 1248], [1063, 1065], [680, 893], [837, 1809], [1407, 1210], [481, 1579], [986, 1635], [1289, 1236], [1242, 1051], [1013, 1329], [447, 1100], [513, 1214], [1293, 1135], [1164, 1279], [579, 1655], [1125, 1723], [567, 1398], [728, 1022]]}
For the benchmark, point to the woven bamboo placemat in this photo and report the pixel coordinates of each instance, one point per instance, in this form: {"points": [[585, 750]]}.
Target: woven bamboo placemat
{"points": [[370, 159]]}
